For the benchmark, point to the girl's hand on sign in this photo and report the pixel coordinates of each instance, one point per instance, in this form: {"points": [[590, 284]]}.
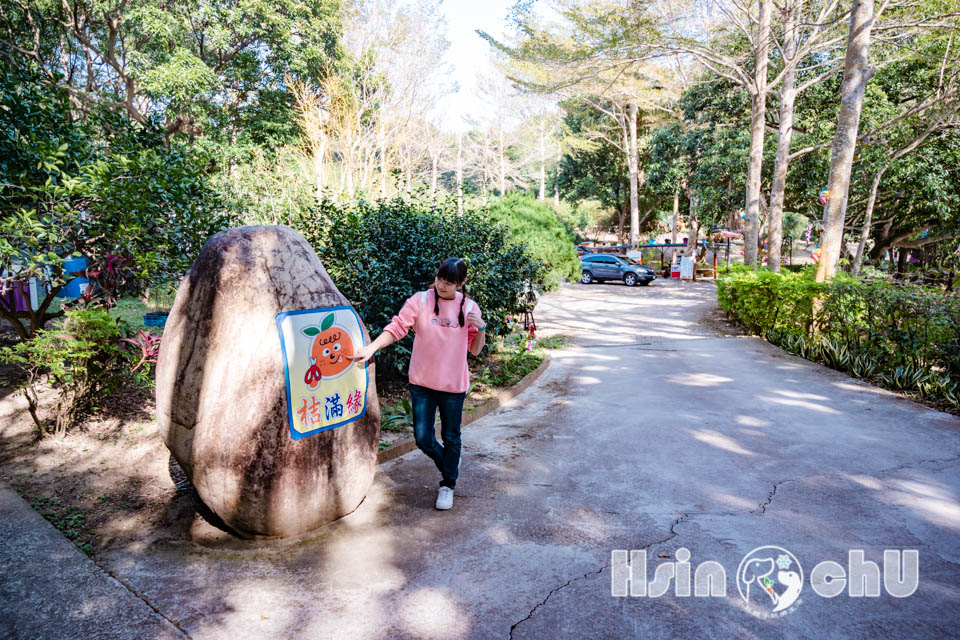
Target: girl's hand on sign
{"points": [[362, 354]]}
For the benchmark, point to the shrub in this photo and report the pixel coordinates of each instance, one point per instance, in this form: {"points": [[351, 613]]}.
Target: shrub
{"points": [[101, 187], [536, 226], [908, 337], [82, 360], [380, 253], [762, 300]]}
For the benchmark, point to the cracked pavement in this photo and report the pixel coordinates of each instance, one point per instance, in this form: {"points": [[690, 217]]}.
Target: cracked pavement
{"points": [[649, 431]]}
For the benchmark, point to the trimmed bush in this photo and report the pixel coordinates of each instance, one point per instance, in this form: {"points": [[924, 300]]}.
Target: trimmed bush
{"points": [[534, 225], [899, 335], [380, 253]]}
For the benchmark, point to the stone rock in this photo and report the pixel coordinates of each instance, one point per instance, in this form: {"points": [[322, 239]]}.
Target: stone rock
{"points": [[221, 395]]}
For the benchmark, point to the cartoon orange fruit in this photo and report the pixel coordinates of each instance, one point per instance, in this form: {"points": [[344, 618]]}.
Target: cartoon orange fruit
{"points": [[329, 353]]}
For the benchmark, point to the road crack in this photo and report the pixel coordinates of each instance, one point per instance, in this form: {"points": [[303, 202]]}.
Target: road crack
{"points": [[673, 534], [762, 507]]}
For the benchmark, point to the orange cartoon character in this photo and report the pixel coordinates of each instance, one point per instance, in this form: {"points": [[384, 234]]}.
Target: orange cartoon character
{"points": [[330, 352]]}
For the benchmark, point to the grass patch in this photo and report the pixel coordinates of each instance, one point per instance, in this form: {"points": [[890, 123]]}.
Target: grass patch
{"points": [[396, 415], [552, 342], [69, 520], [131, 311], [509, 361]]}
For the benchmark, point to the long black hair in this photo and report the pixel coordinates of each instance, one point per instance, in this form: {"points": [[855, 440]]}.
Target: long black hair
{"points": [[452, 270]]}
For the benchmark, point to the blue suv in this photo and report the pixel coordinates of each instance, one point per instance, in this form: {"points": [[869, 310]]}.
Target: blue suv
{"points": [[597, 267]]}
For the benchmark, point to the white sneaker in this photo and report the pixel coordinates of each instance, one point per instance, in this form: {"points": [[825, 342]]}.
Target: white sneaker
{"points": [[444, 498]]}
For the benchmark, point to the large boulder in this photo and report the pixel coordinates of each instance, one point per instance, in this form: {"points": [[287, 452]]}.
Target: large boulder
{"points": [[221, 394]]}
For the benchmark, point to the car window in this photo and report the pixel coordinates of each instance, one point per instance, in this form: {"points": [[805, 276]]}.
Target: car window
{"points": [[590, 258]]}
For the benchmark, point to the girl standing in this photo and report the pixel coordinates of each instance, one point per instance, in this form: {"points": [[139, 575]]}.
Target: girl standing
{"points": [[447, 325]]}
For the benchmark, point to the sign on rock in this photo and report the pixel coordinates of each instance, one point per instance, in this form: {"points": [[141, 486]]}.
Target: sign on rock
{"points": [[325, 389]]}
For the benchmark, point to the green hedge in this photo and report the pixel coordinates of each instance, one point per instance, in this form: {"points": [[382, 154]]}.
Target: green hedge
{"points": [[380, 253], [905, 337], [536, 226]]}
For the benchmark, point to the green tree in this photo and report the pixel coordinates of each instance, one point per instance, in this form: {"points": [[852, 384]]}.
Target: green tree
{"points": [[213, 69], [101, 187], [535, 226]]}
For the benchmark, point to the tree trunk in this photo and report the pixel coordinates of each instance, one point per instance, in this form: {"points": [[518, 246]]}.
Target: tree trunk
{"points": [[543, 163], [788, 96], [433, 177], [348, 168], [855, 77], [319, 169], [556, 184], [867, 220], [383, 162], [460, 173], [868, 215], [758, 94], [622, 212], [694, 221], [33, 405], [503, 172], [676, 218], [632, 165], [902, 260], [343, 174]]}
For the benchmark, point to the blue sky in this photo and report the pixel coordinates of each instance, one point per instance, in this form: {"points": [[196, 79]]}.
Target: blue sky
{"points": [[468, 53]]}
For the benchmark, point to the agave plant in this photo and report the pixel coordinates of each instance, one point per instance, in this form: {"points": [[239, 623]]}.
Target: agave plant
{"points": [[774, 336], [863, 366], [798, 345], [834, 354], [905, 377], [951, 394]]}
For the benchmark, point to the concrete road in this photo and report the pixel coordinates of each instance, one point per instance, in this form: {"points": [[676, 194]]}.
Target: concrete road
{"points": [[650, 433]]}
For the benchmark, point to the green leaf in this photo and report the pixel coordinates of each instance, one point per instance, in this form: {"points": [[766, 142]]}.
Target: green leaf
{"points": [[311, 331], [327, 322]]}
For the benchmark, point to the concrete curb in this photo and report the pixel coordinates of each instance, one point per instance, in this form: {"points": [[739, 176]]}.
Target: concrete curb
{"points": [[50, 589], [397, 450]]}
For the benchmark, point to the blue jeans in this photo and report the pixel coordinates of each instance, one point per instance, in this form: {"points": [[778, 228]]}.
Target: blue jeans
{"points": [[424, 402]]}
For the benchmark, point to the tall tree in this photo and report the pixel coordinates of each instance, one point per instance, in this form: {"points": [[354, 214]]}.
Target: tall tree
{"points": [[856, 74], [585, 57], [200, 67], [757, 89]]}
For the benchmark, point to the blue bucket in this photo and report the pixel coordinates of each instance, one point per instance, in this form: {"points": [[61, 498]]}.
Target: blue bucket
{"points": [[155, 319], [76, 287]]}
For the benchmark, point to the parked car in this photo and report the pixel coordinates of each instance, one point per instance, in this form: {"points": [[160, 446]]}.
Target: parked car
{"points": [[597, 267]]}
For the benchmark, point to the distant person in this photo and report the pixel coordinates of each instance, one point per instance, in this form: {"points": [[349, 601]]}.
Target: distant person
{"points": [[446, 324]]}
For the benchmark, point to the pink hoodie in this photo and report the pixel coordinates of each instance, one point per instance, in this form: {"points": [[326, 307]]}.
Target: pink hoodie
{"points": [[439, 359]]}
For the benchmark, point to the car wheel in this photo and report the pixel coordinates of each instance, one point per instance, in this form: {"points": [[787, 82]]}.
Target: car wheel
{"points": [[586, 278], [630, 279]]}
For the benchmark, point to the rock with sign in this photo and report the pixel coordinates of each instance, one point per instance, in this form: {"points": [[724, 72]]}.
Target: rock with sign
{"points": [[222, 402]]}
